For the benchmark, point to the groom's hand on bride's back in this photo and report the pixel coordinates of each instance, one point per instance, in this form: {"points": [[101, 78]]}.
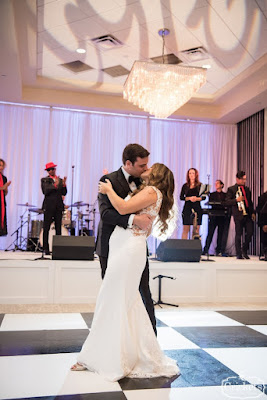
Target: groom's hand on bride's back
{"points": [[143, 221]]}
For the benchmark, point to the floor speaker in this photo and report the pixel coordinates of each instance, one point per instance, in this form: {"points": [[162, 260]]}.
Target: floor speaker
{"points": [[179, 250], [73, 247]]}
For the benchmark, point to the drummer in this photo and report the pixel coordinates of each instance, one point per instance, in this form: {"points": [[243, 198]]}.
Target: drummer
{"points": [[53, 187]]}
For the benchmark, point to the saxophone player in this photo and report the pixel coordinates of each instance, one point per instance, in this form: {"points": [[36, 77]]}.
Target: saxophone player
{"points": [[238, 197]]}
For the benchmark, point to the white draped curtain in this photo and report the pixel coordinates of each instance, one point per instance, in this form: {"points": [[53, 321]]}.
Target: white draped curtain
{"points": [[32, 136]]}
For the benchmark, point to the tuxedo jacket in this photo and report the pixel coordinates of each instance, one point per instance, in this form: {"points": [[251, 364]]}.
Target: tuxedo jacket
{"points": [[109, 217], [262, 209], [230, 201], [53, 196]]}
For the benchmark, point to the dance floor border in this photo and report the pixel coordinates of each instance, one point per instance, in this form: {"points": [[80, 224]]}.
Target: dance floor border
{"points": [[24, 280]]}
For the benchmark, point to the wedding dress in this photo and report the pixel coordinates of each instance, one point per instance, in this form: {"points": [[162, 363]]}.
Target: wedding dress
{"points": [[122, 341]]}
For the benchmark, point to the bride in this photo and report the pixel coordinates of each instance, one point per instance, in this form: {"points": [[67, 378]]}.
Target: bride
{"points": [[122, 341]]}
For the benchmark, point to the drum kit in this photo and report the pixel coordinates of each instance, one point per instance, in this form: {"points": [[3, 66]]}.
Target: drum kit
{"points": [[33, 241]]}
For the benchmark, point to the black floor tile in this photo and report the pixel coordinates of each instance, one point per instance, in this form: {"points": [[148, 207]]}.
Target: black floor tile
{"points": [[160, 324], [88, 318], [257, 317], [147, 383], [1, 318], [41, 342], [224, 336], [199, 368], [84, 396]]}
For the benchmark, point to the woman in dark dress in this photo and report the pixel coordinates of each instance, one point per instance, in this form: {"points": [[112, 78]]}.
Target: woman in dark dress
{"points": [[190, 194], [3, 192]]}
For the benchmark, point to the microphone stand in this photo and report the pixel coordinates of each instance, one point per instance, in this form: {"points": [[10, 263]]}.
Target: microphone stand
{"points": [[72, 180], [208, 255]]}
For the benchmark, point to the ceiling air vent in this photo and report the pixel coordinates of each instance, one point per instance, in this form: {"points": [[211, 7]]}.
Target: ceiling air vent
{"points": [[192, 55], [168, 59], [76, 66], [106, 42], [117, 70]]}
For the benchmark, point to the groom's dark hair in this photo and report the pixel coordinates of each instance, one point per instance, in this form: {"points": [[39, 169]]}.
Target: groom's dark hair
{"points": [[132, 151]]}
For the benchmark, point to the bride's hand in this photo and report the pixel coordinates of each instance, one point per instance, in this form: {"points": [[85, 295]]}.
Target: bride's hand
{"points": [[104, 187]]}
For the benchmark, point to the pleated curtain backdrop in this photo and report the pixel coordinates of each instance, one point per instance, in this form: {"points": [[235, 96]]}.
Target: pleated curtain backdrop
{"points": [[250, 155], [32, 136]]}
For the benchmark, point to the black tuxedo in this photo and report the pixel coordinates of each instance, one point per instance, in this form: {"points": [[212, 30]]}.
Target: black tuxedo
{"points": [[109, 216], [109, 219], [262, 220], [241, 221], [53, 206]]}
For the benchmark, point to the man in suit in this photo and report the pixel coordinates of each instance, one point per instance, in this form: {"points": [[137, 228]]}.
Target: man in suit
{"points": [[238, 197], [53, 187], [124, 181], [217, 218], [262, 222]]}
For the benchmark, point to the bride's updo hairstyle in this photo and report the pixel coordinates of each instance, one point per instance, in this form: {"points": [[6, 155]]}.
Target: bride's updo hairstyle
{"points": [[162, 178]]}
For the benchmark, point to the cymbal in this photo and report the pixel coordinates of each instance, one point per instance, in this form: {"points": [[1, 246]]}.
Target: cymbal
{"points": [[26, 205], [36, 210], [78, 204], [81, 215]]}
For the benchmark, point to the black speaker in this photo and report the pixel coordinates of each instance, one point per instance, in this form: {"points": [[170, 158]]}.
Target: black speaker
{"points": [[180, 250], [73, 247]]}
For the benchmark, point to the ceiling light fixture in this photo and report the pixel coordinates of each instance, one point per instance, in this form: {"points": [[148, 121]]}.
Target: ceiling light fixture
{"points": [[161, 89], [81, 51]]}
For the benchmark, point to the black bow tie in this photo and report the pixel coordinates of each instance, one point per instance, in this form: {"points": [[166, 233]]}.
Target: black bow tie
{"points": [[134, 179]]}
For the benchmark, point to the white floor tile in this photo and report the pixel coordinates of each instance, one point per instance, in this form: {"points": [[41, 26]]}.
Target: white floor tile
{"points": [[47, 375], [259, 328], [198, 393], [169, 339], [195, 318], [250, 363], [25, 322]]}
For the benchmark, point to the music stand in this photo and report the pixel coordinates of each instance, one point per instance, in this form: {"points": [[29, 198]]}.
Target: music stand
{"points": [[159, 302]]}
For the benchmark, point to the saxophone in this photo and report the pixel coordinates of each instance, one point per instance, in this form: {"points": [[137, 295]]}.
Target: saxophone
{"points": [[240, 204], [195, 234]]}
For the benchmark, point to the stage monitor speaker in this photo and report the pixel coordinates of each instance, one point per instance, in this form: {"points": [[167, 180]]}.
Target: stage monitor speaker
{"points": [[180, 250], [73, 247]]}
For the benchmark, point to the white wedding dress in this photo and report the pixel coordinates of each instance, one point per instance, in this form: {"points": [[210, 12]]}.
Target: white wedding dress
{"points": [[122, 341]]}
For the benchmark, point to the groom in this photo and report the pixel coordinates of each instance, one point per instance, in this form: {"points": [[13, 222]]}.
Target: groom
{"points": [[125, 180]]}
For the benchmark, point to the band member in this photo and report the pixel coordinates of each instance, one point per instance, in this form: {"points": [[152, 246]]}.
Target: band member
{"points": [[190, 194], [262, 222], [238, 197], [53, 187], [4, 183], [217, 218]]}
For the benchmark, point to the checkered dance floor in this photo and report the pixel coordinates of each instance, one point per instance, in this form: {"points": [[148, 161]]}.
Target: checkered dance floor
{"points": [[222, 355]]}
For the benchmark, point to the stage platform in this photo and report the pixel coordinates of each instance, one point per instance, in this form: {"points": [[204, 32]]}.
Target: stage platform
{"points": [[24, 280]]}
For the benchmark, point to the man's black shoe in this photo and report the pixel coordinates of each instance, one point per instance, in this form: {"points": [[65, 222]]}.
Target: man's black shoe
{"points": [[47, 253], [239, 257], [245, 255]]}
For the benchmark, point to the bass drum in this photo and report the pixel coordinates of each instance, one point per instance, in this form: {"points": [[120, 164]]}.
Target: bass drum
{"points": [[52, 232]]}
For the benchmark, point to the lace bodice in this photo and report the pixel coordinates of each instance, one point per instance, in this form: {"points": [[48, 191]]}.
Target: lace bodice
{"points": [[152, 210]]}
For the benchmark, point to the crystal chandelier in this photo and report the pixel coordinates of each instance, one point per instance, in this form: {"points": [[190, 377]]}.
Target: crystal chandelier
{"points": [[161, 89]]}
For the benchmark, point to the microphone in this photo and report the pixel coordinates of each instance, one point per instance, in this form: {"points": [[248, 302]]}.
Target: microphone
{"points": [[73, 166]]}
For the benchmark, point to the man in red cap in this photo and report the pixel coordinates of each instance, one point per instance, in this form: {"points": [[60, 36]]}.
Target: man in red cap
{"points": [[53, 187]]}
